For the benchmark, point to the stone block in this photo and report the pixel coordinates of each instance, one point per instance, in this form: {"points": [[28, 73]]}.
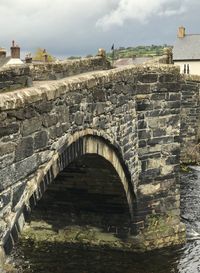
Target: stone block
{"points": [[5, 202], [6, 160], [24, 148], [40, 140], [49, 120], [149, 175], [168, 78], [30, 126], [159, 132], [100, 108], [99, 96], [148, 78], [142, 143], [9, 129], [3, 116], [144, 105], [55, 132], [142, 124], [18, 191], [7, 148], [15, 172], [160, 140], [174, 104], [158, 96], [144, 134], [174, 96], [44, 107], [22, 114]]}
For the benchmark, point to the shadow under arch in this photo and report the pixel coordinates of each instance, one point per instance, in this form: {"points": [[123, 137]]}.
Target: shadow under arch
{"points": [[77, 145], [98, 145]]}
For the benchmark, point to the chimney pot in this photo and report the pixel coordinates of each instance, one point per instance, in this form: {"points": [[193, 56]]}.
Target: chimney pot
{"points": [[2, 52], [181, 32], [15, 51]]}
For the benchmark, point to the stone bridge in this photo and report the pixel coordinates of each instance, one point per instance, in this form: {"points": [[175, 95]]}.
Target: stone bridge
{"points": [[128, 117]]}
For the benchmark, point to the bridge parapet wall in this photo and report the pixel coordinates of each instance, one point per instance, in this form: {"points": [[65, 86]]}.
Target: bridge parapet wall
{"points": [[62, 69], [15, 77], [20, 76], [135, 109]]}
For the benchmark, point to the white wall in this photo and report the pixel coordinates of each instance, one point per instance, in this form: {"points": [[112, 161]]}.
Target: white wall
{"points": [[194, 66]]}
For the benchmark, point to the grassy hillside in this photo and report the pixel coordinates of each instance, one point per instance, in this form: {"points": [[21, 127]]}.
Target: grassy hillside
{"points": [[139, 51]]}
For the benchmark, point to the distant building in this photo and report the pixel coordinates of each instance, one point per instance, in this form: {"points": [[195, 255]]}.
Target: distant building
{"points": [[14, 59], [186, 52]]}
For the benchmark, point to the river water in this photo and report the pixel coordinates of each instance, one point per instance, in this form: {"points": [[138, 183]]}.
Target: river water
{"points": [[54, 256]]}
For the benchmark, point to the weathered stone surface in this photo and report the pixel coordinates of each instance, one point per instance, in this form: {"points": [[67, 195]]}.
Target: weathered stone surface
{"points": [[13, 173], [40, 140], [49, 120], [7, 148], [5, 202], [14, 77], [9, 129], [24, 148], [129, 116], [31, 125], [18, 190], [59, 70], [6, 160]]}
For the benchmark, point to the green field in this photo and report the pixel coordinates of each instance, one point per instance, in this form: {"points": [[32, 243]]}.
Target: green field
{"points": [[139, 51]]}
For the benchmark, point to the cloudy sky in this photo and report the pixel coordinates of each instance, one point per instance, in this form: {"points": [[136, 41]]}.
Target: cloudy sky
{"points": [[80, 27]]}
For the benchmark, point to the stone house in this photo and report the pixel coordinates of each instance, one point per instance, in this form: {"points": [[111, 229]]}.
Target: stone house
{"points": [[14, 59], [186, 52]]}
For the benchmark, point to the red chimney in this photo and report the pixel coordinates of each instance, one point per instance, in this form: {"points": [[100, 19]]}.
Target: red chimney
{"points": [[2, 52], [15, 51], [181, 32]]}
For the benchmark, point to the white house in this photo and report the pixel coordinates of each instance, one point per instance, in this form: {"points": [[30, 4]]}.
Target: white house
{"points": [[186, 52], [14, 59]]}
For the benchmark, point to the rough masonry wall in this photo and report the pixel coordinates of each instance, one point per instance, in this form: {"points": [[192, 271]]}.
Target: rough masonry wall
{"points": [[15, 77], [19, 76], [158, 102], [136, 109], [35, 124], [62, 69], [190, 119]]}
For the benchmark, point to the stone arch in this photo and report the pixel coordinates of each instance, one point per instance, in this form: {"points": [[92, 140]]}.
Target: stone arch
{"points": [[81, 143], [93, 144]]}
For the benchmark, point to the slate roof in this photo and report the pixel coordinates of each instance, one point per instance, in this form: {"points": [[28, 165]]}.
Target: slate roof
{"points": [[187, 48], [4, 61], [9, 61]]}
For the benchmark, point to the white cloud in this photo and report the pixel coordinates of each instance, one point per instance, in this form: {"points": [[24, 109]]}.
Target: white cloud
{"points": [[77, 26], [141, 10]]}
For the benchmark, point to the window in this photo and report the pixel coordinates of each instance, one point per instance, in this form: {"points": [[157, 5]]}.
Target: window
{"points": [[188, 69], [184, 71]]}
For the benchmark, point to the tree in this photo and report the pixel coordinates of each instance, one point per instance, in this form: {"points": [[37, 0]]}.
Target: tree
{"points": [[40, 56]]}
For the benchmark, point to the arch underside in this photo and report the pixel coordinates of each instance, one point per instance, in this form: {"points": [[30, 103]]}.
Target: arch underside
{"points": [[98, 146], [81, 147], [88, 192]]}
